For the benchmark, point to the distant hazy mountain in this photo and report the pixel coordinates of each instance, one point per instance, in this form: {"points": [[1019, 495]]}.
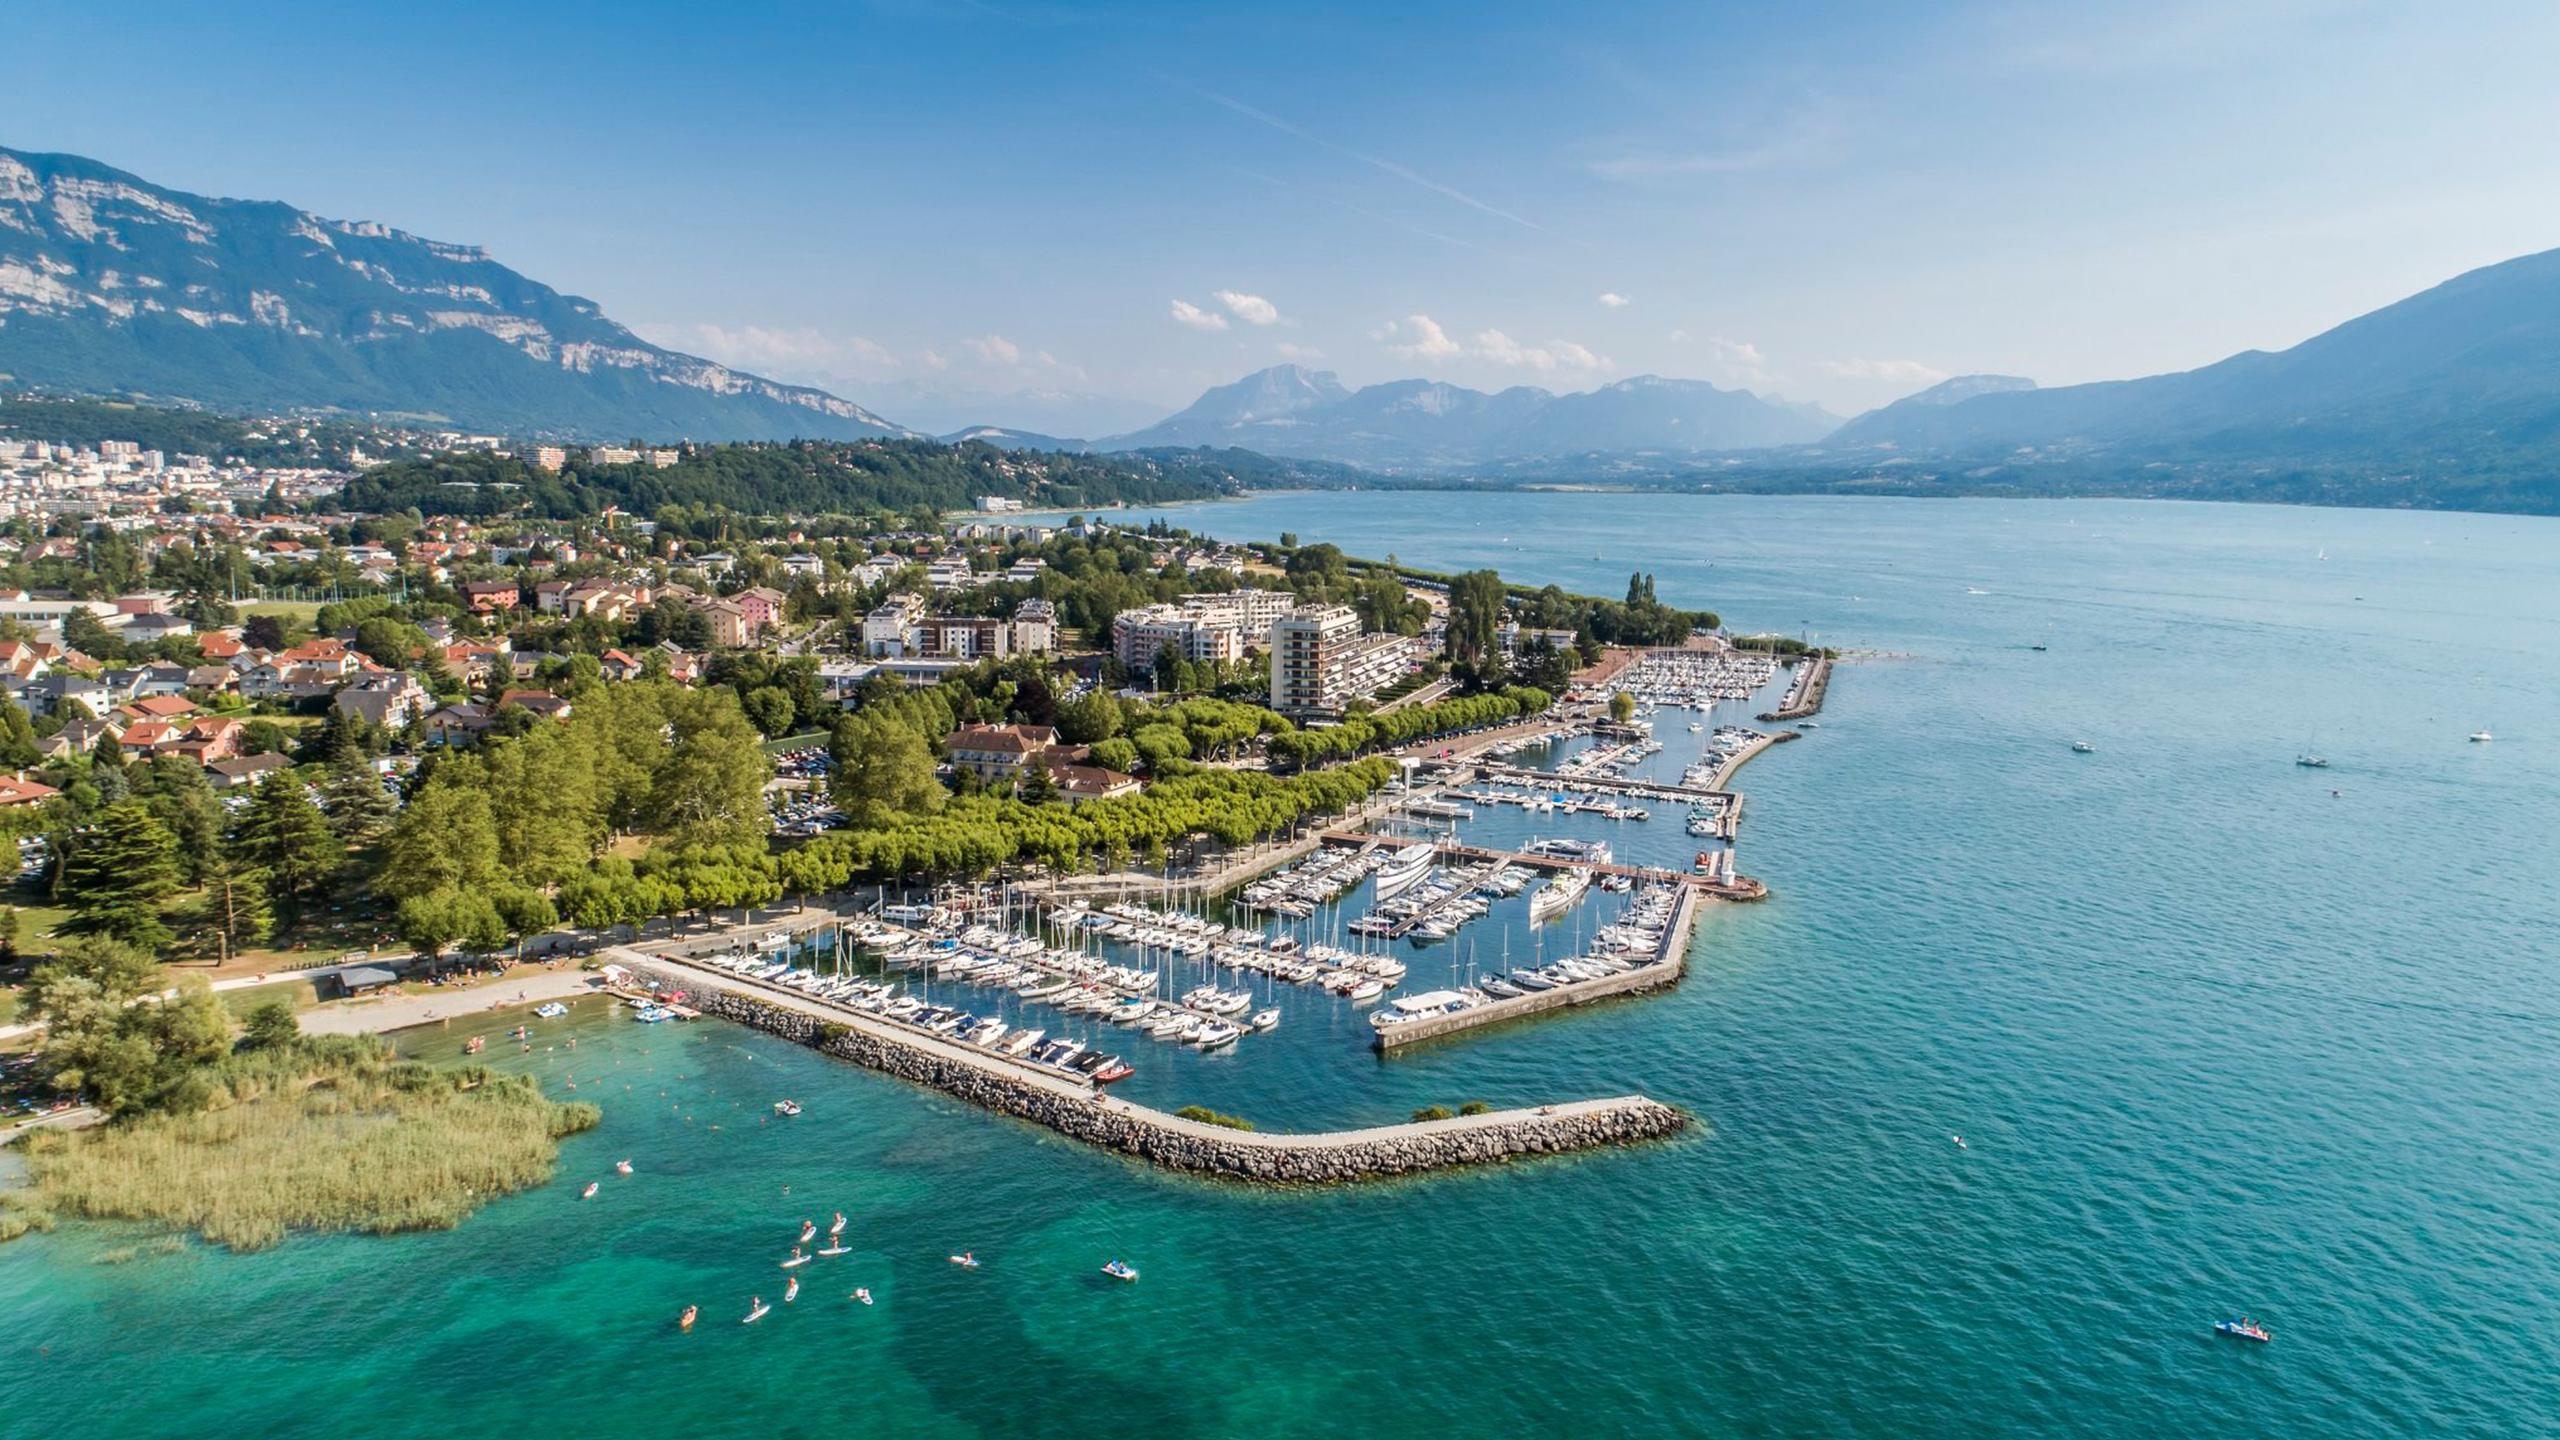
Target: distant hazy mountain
{"points": [[1425, 424], [109, 284], [2464, 375], [1007, 439]]}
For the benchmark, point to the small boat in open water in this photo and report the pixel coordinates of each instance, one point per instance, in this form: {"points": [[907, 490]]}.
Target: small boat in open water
{"points": [[2083, 747], [1120, 1270], [786, 1107], [590, 1192], [2243, 1328], [691, 1313], [621, 1167]]}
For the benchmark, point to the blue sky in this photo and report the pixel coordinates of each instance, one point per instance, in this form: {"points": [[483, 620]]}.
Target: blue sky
{"points": [[1075, 217]]}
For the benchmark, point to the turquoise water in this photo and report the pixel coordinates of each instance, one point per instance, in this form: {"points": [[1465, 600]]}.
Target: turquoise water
{"points": [[2219, 1039]]}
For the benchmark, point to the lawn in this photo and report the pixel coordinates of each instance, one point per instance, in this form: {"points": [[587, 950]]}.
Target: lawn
{"points": [[300, 994], [299, 611]]}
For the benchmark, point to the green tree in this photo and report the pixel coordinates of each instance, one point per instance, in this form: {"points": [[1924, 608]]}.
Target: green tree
{"points": [[1090, 717], [271, 1026], [709, 788], [1476, 601], [233, 911], [182, 800], [17, 735], [284, 834], [126, 865], [446, 839], [1622, 706], [359, 806], [108, 1036], [770, 708], [883, 769]]}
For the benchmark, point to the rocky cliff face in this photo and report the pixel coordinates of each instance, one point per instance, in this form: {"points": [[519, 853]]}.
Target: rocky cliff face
{"points": [[110, 284]]}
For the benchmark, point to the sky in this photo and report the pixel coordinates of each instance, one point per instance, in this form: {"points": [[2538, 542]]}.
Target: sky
{"points": [[1073, 218]]}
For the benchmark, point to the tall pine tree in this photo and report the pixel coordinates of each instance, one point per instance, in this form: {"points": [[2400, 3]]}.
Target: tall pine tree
{"points": [[126, 865], [285, 835], [359, 806]]}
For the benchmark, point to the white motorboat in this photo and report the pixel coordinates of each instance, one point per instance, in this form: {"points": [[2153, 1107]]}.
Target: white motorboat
{"points": [[1399, 874], [1265, 1019]]}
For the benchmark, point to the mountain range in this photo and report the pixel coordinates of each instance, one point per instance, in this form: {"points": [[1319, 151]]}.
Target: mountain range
{"points": [[2468, 372], [1431, 425], [109, 284]]}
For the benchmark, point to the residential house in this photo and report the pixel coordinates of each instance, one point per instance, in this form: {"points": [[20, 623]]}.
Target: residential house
{"points": [[491, 596], [241, 771], [80, 736], [1079, 784], [390, 700], [539, 702], [460, 724], [997, 753], [17, 789]]}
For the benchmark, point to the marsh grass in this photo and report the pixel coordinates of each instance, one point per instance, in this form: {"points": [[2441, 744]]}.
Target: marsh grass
{"points": [[320, 1135]]}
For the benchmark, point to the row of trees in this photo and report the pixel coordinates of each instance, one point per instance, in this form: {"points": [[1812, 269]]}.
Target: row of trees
{"points": [[973, 835], [1360, 733]]}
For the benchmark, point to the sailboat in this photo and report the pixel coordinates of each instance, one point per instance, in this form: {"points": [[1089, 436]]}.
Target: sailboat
{"points": [[2481, 737]]}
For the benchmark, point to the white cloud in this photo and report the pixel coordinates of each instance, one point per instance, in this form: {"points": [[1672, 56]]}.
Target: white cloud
{"points": [[935, 360], [997, 350], [1418, 337], [1186, 313], [1290, 351], [1732, 359], [762, 348], [1613, 300], [1900, 372], [1501, 349], [1251, 309]]}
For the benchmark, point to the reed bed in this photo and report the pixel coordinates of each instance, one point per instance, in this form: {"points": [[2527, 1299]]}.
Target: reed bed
{"points": [[319, 1135]]}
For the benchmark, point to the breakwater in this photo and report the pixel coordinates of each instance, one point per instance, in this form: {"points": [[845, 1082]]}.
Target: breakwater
{"points": [[1804, 697], [1083, 1112]]}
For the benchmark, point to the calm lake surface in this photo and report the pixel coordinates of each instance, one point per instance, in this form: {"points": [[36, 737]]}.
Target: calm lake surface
{"points": [[2221, 1040]]}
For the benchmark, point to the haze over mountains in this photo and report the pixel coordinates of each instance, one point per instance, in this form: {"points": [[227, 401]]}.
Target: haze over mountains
{"points": [[111, 285], [1429, 425], [2470, 367]]}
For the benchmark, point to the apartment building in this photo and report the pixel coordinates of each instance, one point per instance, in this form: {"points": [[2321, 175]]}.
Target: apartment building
{"points": [[1321, 663]]}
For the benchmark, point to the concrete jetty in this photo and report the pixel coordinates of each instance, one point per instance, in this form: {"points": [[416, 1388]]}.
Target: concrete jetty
{"points": [[1083, 1112], [1669, 964], [1804, 697]]}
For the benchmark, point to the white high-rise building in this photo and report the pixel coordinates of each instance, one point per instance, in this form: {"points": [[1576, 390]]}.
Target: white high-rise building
{"points": [[1321, 663]]}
